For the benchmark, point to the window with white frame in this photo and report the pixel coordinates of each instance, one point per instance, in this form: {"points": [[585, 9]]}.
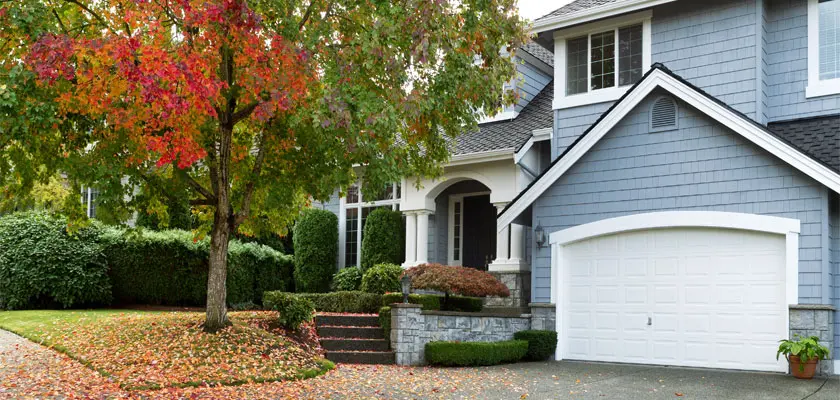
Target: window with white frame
{"points": [[598, 62], [356, 210], [823, 48], [89, 196]]}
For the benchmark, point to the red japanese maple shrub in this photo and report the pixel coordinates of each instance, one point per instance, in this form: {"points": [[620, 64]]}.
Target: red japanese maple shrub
{"points": [[456, 280]]}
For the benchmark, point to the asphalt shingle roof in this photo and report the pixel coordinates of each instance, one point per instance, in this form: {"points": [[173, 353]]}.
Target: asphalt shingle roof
{"points": [[818, 137], [510, 134], [539, 52], [575, 6]]}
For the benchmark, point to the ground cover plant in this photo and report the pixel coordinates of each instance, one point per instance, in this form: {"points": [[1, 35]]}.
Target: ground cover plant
{"points": [[142, 350]]}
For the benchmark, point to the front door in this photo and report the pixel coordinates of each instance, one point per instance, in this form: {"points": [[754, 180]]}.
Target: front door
{"points": [[479, 231]]}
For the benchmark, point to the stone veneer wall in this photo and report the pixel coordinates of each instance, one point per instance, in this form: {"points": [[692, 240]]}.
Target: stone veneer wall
{"points": [[815, 320], [412, 328], [519, 284]]}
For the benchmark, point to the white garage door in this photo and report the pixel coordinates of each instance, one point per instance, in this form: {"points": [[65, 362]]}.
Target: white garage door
{"points": [[699, 297]]}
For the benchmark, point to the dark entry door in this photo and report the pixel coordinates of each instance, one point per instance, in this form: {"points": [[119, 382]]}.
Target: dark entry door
{"points": [[479, 231]]}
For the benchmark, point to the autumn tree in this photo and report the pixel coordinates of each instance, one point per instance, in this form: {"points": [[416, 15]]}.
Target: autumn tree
{"points": [[250, 107]]}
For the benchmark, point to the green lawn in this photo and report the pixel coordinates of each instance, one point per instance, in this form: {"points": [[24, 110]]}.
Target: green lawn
{"points": [[36, 325]]}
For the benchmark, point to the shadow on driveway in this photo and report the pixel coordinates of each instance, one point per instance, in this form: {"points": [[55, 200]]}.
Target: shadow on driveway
{"points": [[579, 380]]}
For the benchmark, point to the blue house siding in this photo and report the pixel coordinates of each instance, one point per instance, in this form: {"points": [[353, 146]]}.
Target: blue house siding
{"points": [[569, 123], [701, 166], [531, 82], [714, 45], [787, 64]]}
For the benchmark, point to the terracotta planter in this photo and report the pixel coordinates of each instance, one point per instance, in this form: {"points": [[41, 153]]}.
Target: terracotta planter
{"points": [[808, 369]]}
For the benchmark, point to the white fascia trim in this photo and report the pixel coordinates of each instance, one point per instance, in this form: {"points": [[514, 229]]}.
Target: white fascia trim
{"points": [[561, 100], [537, 135], [480, 157], [724, 116], [534, 61], [506, 115], [593, 14], [542, 134], [674, 219], [816, 87]]}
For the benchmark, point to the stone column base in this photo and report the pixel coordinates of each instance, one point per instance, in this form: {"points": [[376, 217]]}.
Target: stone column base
{"points": [[519, 284], [815, 320]]}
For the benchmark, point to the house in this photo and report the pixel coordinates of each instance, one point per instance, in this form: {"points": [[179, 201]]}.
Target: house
{"points": [[671, 184]]}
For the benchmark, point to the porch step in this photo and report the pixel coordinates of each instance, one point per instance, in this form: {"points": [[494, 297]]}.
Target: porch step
{"points": [[350, 332], [330, 344], [347, 320], [362, 357]]}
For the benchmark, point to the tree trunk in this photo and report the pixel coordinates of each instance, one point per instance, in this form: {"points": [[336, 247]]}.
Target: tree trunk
{"points": [[217, 276]]}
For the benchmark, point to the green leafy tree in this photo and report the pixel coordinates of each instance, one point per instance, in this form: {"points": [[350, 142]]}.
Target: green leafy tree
{"points": [[255, 106]]}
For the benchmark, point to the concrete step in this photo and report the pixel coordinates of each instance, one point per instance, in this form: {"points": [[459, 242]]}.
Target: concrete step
{"points": [[354, 344], [361, 357], [347, 320], [350, 332]]}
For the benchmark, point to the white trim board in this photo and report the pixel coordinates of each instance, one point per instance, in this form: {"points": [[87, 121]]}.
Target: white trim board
{"points": [[788, 227], [482, 156], [723, 115], [592, 14]]}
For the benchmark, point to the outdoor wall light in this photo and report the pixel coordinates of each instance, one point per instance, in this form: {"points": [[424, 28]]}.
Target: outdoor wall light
{"points": [[539, 236], [405, 283]]}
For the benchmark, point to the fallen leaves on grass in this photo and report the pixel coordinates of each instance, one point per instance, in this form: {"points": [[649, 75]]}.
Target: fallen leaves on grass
{"points": [[161, 350]]}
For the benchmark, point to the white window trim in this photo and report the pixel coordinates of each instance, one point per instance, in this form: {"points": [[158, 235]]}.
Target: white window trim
{"points": [[454, 198], [816, 87], [601, 95], [788, 227], [342, 222], [86, 194]]}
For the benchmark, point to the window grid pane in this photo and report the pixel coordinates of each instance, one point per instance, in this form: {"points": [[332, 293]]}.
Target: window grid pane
{"points": [[576, 65], [456, 235], [602, 58], [829, 39], [352, 236], [629, 55], [353, 194]]}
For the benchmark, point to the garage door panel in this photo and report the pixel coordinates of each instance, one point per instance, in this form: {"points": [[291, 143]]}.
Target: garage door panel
{"points": [[708, 292]]}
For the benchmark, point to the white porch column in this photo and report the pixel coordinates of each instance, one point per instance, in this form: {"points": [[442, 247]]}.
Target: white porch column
{"points": [[517, 238], [502, 242], [422, 238], [410, 240]]}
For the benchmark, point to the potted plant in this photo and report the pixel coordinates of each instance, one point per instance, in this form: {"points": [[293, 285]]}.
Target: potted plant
{"points": [[802, 355]]}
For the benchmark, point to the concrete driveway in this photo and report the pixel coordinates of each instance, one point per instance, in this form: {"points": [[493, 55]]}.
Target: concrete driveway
{"points": [[578, 380]]}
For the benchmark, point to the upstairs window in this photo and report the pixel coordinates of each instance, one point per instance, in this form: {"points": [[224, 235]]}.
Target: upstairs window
{"points": [[823, 48], [598, 62]]}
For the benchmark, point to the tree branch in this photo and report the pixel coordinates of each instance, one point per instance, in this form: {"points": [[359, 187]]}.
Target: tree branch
{"points": [[93, 14], [195, 185], [61, 24], [251, 185], [306, 15], [244, 112]]}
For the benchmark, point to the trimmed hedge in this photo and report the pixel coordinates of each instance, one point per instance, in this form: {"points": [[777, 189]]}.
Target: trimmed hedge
{"points": [[462, 303], [293, 310], [344, 302], [383, 240], [347, 279], [464, 354], [382, 278], [385, 323], [541, 344], [41, 265], [170, 268], [316, 245]]}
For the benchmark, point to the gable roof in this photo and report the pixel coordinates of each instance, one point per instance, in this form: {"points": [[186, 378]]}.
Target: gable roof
{"points": [[583, 11], [539, 52], [661, 77], [818, 137], [509, 134]]}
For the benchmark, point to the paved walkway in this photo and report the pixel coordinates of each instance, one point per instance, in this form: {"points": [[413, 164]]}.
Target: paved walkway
{"points": [[28, 370]]}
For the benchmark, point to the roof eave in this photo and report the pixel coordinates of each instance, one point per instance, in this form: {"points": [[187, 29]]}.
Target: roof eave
{"points": [[593, 14]]}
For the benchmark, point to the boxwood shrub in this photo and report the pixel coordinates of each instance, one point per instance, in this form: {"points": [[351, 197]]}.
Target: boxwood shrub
{"points": [[344, 302], [42, 265], [382, 278], [316, 245], [170, 268], [464, 354], [293, 310], [383, 239], [541, 344], [347, 279]]}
